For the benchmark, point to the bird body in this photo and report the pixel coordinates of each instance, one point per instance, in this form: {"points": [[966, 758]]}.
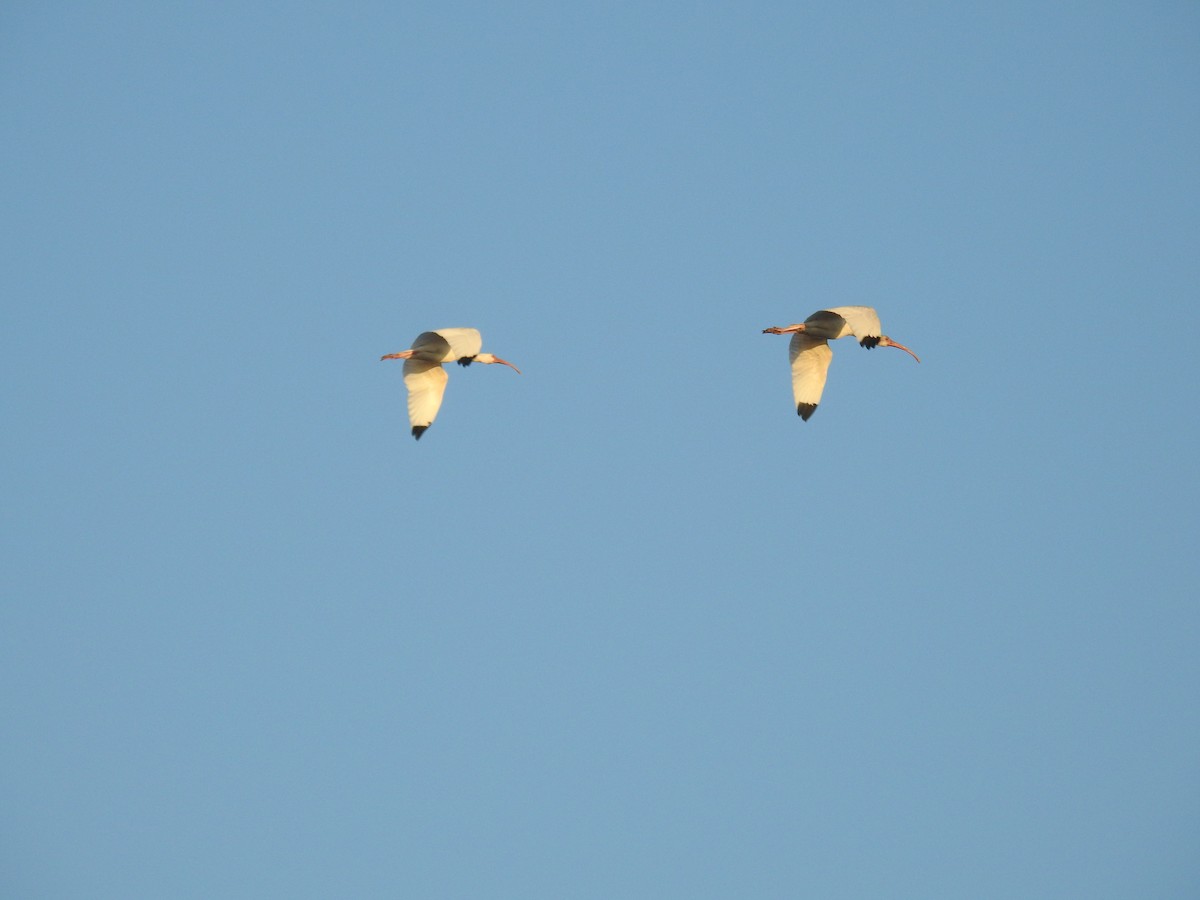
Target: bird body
{"points": [[810, 353], [423, 373], [447, 344]]}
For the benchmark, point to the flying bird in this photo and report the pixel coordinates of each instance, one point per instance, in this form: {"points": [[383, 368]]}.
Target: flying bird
{"points": [[810, 354], [423, 373]]}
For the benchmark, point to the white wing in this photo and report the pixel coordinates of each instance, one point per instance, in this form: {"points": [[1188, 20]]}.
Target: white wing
{"points": [[463, 342], [426, 383], [810, 364], [861, 321]]}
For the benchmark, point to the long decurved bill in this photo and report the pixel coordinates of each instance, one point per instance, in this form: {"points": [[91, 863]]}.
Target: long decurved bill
{"points": [[888, 342], [505, 362], [403, 354]]}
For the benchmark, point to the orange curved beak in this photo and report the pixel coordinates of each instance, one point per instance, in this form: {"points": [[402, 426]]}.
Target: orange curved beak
{"points": [[888, 342], [505, 362]]}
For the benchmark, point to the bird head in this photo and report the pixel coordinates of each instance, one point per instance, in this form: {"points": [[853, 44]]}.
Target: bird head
{"points": [[487, 359]]}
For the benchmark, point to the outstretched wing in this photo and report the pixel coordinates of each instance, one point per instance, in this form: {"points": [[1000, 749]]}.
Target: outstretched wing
{"points": [[810, 364], [426, 383]]}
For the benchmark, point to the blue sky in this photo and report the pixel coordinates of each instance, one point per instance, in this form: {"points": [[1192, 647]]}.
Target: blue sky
{"points": [[621, 626]]}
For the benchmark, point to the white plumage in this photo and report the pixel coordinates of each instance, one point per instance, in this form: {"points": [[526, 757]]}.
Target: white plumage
{"points": [[810, 353], [423, 373]]}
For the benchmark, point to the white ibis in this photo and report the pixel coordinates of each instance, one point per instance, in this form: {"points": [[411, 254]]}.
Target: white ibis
{"points": [[423, 373], [810, 353]]}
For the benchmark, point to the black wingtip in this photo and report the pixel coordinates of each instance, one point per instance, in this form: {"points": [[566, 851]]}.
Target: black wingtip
{"points": [[465, 361], [804, 410], [869, 342], [419, 430]]}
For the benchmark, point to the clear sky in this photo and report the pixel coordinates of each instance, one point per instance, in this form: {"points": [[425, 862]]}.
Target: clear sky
{"points": [[623, 625]]}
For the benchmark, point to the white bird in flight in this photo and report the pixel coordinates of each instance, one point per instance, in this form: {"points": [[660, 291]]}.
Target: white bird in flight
{"points": [[810, 354], [423, 373]]}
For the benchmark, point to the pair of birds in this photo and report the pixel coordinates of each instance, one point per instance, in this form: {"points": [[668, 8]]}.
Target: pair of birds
{"points": [[809, 352]]}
